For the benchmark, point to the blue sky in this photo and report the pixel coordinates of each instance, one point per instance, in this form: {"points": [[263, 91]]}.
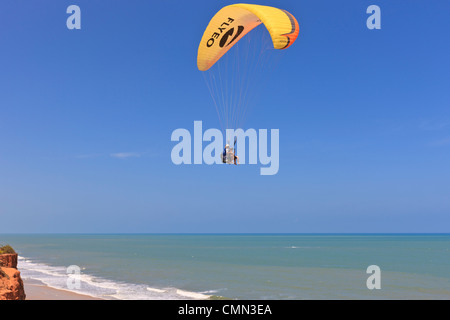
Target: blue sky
{"points": [[86, 118]]}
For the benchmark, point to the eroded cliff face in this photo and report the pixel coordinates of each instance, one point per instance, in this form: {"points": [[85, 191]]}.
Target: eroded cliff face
{"points": [[11, 285]]}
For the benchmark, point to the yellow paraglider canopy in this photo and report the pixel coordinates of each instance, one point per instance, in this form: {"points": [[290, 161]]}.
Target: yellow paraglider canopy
{"points": [[233, 22]]}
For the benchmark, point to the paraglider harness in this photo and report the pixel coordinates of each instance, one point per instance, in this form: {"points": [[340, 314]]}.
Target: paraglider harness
{"points": [[229, 154]]}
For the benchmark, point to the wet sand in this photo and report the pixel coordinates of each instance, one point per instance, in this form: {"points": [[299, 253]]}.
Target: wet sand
{"points": [[36, 290]]}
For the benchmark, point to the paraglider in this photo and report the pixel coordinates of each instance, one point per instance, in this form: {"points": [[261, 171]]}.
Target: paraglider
{"points": [[233, 22], [229, 154], [229, 84]]}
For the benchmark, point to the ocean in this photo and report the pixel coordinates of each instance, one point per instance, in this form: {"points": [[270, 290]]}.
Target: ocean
{"points": [[239, 266]]}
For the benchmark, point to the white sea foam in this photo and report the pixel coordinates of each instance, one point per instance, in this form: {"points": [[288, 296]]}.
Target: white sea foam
{"points": [[295, 247], [192, 295], [56, 277], [212, 291], [155, 290]]}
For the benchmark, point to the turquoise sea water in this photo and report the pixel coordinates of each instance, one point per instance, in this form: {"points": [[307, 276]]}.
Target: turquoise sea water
{"points": [[240, 266]]}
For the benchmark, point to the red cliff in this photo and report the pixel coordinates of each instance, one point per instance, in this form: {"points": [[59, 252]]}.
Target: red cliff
{"points": [[11, 285]]}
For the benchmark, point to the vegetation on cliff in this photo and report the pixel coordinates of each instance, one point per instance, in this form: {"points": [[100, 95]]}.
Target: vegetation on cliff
{"points": [[6, 250]]}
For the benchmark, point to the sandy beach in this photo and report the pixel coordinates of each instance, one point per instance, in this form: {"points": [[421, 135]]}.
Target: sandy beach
{"points": [[36, 290]]}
